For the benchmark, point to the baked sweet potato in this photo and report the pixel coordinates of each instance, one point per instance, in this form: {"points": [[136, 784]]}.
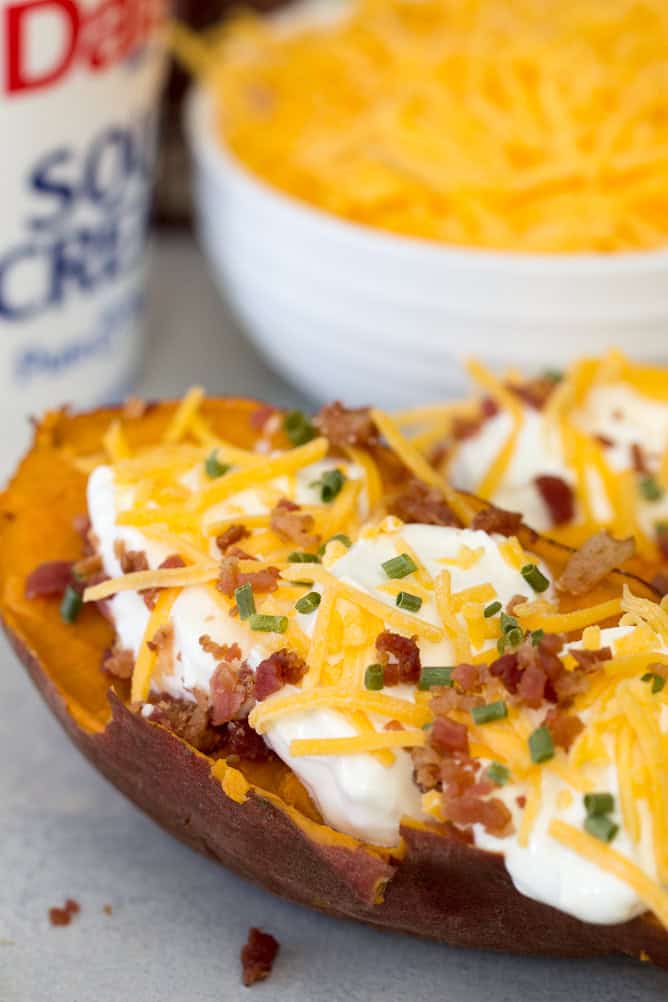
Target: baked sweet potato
{"points": [[254, 818]]}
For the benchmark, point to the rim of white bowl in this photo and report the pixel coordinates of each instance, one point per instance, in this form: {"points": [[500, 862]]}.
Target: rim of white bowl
{"points": [[208, 147]]}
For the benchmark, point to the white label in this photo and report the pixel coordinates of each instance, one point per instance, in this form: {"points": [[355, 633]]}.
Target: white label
{"points": [[79, 87]]}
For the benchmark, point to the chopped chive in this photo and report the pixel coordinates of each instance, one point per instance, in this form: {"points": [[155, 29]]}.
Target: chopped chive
{"points": [[658, 681], [308, 603], [535, 578], [512, 638], [70, 607], [412, 603], [536, 637], [214, 468], [601, 827], [340, 537], [499, 774], [541, 745], [431, 676], [489, 712], [554, 375], [268, 624], [330, 485], [300, 557], [245, 600], [508, 622], [492, 609], [650, 488], [399, 567], [599, 803], [298, 428], [374, 677]]}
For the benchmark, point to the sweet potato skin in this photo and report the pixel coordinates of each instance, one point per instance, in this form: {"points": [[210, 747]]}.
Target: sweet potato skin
{"points": [[441, 888]]}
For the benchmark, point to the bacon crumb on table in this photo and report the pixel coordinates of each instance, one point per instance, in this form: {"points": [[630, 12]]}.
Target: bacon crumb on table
{"points": [[257, 956], [63, 916]]}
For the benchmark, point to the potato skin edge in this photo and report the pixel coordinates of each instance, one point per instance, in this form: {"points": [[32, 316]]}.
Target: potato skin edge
{"points": [[441, 889]]}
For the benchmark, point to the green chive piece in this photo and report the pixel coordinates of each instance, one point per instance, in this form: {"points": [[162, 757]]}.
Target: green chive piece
{"points": [[658, 681], [535, 578], [308, 603], [412, 603], [214, 468], [512, 638], [508, 622], [399, 567], [298, 428], [499, 774], [330, 485], [268, 624], [300, 557], [374, 677], [599, 803], [536, 637], [650, 488], [489, 712], [245, 600], [431, 676], [492, 609], [601, 827], [340, 537], [554, 375], [541, 745], [70, 607]]}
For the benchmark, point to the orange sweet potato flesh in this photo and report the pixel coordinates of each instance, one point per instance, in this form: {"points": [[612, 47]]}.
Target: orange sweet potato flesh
{"points": [[436, 886]]}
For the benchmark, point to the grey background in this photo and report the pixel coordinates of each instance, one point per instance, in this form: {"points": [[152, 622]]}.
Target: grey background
{"points": [[179, 920]]}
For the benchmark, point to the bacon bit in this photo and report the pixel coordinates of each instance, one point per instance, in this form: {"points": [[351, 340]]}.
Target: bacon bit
{"points": [[587, 660], [604, 440], [134, 408], [534, 392], [119, 663], [49, 579], [130, 560], [489, 407], [63, 916], [660, 580], [593, 561], [465, 427], [558, 497], [87, 568], [189, 720], [163, 644], [291, 523], [492, 519], [508, 670], [439, 453], [468, 677], [257, 956], [150, 595], [107, 909], [400, 657], [638, 459], [662, 540], [393, 725], [259, 417], [232, 690], [232, 535], [534, 674], [231, 578], [521, 801], [426, 768], [448, 736], [564, 727], [471, 809], [347, 426], [422, 504], [243, 742], [281, 668], [221, 652]]}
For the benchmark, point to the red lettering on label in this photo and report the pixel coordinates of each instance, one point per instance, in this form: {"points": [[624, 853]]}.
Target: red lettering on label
{"points": [[17, 20], [93, 39]]}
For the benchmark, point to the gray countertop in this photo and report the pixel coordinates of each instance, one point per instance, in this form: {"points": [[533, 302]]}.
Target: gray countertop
{"points": [[178, 920]]}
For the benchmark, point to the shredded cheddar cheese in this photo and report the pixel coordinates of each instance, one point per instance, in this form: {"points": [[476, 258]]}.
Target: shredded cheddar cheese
{"points": [[520, 126]]}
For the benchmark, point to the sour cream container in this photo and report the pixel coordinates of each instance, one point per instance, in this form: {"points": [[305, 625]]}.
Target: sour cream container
{"points": [[79, 88]]}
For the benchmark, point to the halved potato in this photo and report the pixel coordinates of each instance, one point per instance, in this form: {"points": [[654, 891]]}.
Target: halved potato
{"points": [[257, 820]]}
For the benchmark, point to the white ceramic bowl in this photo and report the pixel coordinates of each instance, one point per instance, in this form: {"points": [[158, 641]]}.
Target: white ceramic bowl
{"points": [[345, 310]]}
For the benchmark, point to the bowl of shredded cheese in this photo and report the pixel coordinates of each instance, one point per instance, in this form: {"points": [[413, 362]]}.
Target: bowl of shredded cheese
{"points": [[383, 186]]}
